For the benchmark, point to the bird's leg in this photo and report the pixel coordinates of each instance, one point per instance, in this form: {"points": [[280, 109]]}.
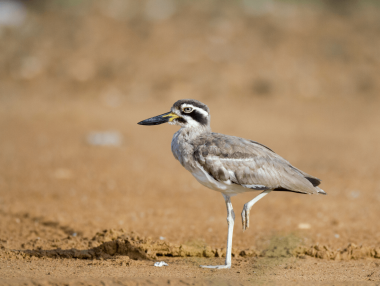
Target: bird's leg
{"points": [[230, 221], [247, 208]]}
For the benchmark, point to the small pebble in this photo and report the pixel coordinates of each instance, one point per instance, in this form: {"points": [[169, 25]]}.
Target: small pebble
{"points": [[304, 226], [160, 264]]}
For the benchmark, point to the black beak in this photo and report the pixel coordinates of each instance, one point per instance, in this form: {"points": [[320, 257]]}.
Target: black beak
{"points": [[159, 119]]}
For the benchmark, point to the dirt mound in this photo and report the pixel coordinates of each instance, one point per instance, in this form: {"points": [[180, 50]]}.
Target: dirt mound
{"points": [[352, 251], [109, 244]]}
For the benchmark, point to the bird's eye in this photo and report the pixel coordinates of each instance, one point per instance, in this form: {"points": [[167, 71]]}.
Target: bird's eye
{"points": [[187, 109]]}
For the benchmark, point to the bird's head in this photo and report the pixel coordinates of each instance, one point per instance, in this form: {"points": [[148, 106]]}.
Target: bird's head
{"points": [[188, 113]]}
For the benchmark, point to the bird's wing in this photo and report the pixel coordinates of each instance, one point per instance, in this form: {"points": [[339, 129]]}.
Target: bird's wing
{"points": [[250, 164]]}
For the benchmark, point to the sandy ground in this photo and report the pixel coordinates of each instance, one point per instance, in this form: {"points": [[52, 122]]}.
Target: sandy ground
{"points": [[58, 192], [300, 81]]}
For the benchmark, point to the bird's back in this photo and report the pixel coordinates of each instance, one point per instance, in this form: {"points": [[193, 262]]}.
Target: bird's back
{"points": [[236, 161]]}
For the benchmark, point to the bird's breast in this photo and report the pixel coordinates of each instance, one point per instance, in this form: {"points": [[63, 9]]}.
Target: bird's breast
{"points": [[182, 151]]}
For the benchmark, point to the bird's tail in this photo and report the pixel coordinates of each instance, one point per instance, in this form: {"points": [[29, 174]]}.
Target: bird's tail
{"points": [[320, 191]]}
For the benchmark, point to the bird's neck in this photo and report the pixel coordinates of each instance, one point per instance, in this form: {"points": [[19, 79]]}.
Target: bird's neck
{"points": [[183, 143], [191, 133]]}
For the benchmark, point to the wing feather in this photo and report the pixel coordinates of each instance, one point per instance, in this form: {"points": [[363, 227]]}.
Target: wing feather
{"points": [[250, 164]]}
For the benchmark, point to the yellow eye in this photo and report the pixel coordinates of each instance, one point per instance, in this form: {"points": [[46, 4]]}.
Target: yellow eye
{"points": [[187, 109]]}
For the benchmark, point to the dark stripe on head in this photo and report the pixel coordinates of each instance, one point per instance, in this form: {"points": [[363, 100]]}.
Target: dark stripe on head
{"points": [[196, 103], [197, 116], [180, 120]]}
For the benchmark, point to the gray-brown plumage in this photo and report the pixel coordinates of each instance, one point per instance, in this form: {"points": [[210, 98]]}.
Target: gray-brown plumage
{"points": [[248, 163], [229, 164]]}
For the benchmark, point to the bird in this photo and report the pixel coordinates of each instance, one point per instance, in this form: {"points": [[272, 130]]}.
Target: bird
{"points": [[228, 164]]}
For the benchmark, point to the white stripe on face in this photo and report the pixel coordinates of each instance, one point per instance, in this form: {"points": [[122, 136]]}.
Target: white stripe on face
{"points": [[204, 112]]}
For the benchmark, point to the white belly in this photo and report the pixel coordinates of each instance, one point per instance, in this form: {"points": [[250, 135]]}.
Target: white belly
{"points": [[227, 188]]}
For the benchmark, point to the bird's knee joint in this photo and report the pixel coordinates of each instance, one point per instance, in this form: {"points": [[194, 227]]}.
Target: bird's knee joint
{"points": [[230, 220]]}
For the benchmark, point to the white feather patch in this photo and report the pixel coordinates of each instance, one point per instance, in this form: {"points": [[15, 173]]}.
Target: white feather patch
{"points": [[231, 159], [254, 186], [204, 112]]}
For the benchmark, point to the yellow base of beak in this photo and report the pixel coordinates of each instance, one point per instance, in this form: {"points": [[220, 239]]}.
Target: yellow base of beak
{"points": [[172, 116]]}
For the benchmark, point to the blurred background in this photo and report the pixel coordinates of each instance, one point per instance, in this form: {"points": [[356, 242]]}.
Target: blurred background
{"points": [[301, 77]]}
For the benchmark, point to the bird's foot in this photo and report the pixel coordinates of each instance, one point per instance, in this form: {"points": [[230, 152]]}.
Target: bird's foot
{"points": [[216, 266], [245, 218]]}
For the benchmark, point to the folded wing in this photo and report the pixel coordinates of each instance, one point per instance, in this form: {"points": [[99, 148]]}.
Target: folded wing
{"points": [[235, 160]]}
